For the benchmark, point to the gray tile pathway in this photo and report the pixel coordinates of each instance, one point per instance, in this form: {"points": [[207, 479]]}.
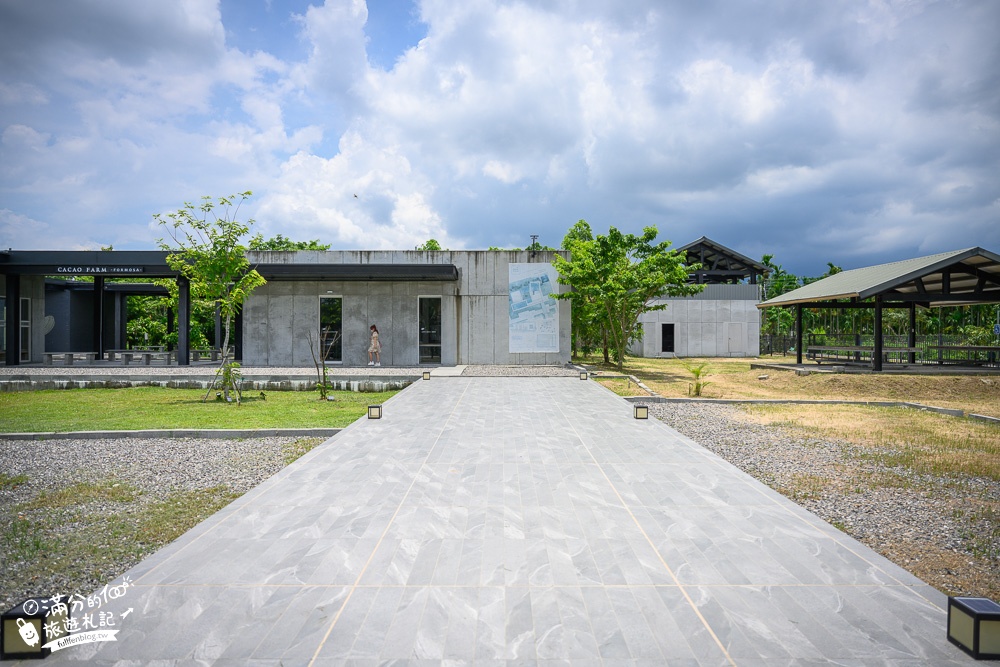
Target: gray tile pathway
{"points": [[525, 521]]}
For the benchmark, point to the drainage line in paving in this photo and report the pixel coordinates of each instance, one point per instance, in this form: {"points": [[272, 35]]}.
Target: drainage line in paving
{"points": [[388, 527], [652, 545]]}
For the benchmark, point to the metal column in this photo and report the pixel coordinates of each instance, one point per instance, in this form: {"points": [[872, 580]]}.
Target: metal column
{"points": [[13, 320], [183, 321], [877, 352], [98, 344], [798, 333]]}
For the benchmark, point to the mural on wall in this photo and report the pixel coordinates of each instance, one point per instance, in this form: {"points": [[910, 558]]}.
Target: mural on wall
{"points": [[534, 315]]}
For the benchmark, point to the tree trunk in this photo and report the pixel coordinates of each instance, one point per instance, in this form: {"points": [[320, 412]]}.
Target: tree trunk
{"points": [[222, 366]]}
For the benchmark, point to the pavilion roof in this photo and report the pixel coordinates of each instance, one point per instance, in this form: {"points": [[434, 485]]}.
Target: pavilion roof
{"points": [[949, 278]]}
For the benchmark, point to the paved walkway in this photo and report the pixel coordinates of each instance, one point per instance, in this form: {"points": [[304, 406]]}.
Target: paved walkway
{"points": [[518, 521]]}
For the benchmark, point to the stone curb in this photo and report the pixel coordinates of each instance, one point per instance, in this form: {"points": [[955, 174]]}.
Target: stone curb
{"points": [[773, 401], [178, 433]]}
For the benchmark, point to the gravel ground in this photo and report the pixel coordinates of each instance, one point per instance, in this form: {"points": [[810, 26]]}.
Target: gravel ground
{"points": [[927, 525], [937, 528], [158, 468]]}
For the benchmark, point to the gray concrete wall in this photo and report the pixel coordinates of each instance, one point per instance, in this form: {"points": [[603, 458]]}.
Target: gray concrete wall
{"points": [[32, 287], [278, 317], [722, 321]]}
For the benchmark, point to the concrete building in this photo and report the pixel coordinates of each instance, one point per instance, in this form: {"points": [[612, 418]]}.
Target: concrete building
{"points": [[721, 321], [443, 307]]}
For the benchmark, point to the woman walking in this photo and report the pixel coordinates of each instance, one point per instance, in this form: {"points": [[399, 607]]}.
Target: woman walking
{"points": [[374, 347]]}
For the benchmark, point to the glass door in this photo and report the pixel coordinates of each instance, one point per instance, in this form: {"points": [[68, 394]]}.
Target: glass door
{"points": [[430, 329], [331, 327]]}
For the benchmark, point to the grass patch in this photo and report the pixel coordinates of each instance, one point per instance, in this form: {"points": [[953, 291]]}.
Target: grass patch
{"points": [[24, 539], [925, 442], [163, 408], [984, 536], [623, 386], [9, 482], [87, 549], [300, 447], [110, 490], [165, 521], [733, 378], [804, 486]]}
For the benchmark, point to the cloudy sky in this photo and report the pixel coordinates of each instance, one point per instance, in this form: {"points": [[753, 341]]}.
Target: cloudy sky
{"points": [[852, 131]]}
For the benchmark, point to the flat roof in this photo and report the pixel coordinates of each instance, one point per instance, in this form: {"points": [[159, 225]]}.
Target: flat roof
{"points": [[359, 272], [153, 263]]}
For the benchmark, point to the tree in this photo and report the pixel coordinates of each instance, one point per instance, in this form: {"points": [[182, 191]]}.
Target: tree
{"points": [[279, 242], [588, 330], [430, 244], [621, 276], [207, 249], [778, 281]]}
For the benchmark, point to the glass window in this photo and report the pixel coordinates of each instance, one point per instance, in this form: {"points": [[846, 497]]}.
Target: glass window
{"points": [[331, 327], [25, 329], [430, 329]]}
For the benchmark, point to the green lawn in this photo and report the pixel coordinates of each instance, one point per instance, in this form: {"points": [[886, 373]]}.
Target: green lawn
{"points": [[162, 408]]}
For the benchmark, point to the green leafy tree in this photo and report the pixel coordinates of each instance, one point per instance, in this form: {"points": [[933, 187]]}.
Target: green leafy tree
{"points": [[279, 242], [778, 281], [430, 244], [588, 325], [621, 276], [207, 249]]}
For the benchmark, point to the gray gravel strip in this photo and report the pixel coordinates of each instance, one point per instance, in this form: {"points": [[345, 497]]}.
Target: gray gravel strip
{"points": [[904, 515], [157, 467]]}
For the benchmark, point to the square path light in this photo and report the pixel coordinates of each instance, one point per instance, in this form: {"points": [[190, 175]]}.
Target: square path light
{"points": [[584, 375], [427, 375], [974, 626], [640, 411], [374, 412], [22, 628]]}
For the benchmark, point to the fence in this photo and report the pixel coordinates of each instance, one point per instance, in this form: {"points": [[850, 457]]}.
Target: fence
{"points": [[934, 349]]}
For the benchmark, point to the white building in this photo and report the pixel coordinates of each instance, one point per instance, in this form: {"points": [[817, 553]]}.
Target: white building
{"points": [[721, 321]]}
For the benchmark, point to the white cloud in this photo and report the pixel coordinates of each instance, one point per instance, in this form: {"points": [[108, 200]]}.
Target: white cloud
{"points": [[366, 196], [752, 124], [20, 231]]}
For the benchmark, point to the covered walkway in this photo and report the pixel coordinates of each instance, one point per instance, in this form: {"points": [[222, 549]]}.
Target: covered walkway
{"points": [[518, 521]]}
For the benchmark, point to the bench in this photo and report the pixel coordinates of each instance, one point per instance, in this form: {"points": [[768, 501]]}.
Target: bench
{"points": [[972, 354], [146, 356], [68, 357], [853, 354]]}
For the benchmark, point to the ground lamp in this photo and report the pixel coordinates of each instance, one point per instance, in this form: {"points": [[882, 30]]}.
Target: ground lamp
{"points": [[640, 411], [374, 412], [427, 375], [584, 375], [974, 626], [22, 628]]}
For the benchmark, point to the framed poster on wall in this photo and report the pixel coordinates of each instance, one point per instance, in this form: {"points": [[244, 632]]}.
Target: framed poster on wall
{"points": [[534, 314]]}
